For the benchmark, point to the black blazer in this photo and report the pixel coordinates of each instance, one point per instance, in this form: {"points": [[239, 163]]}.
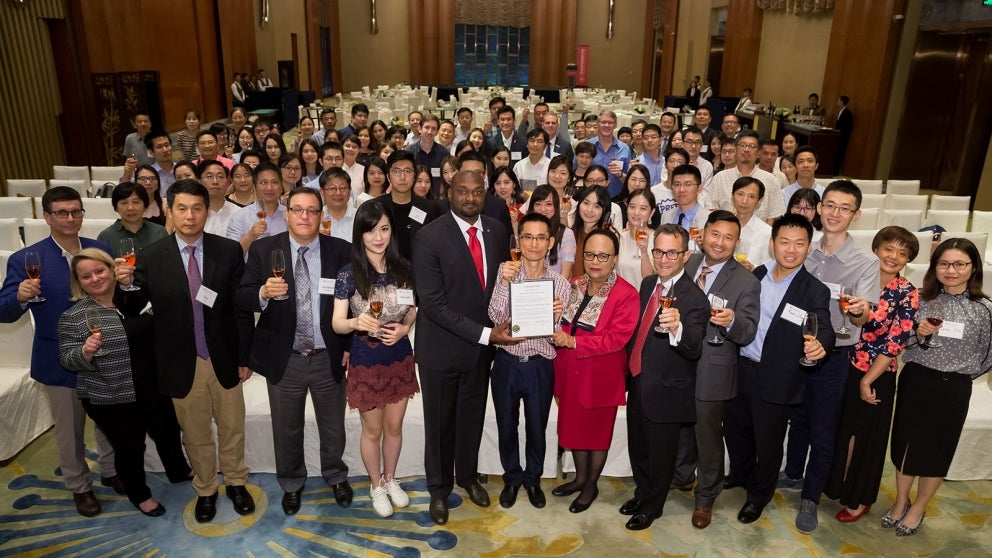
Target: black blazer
{"points": [[405, 229], [162, 277], [845, 121], [494, 208], [517, 145], [274, 333], [453, 306], [782, 380], [667, 381]]}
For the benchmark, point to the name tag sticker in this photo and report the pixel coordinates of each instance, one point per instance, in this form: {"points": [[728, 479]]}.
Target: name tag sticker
{"points": [[206, 296], [405, 296], [436, 173], [515, 155], [954, 330], [326, 286], [418, 214], [834, 290], [793, 314]]}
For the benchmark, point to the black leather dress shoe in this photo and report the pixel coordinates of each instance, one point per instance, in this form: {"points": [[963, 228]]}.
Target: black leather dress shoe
{"points": [[729, 483], [291, 502], [749, 513], [206, 508], [508, 496], [243, 503], [343, 493], [536, 496], [439, 510], [640, 521], [477, 494], [630, 507]]}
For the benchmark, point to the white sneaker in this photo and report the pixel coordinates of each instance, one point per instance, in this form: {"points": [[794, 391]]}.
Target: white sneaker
{"points": [[397, 494], [380, 501]]}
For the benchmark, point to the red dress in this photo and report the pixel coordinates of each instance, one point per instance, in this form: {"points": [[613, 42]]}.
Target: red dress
{"points": [[589, 380]]}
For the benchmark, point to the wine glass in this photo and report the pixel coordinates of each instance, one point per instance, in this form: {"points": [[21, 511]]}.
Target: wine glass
{"points": [[515, 251], [640, 235], [717, 303], [663, 301], [261, 217], [127, 252], [32, 267], [933, 317], [279, 269], [843, 299], [569, 193], [742, 250], [93, 322], [809, 334], [377, 295], [325, 224], [608, 220]]}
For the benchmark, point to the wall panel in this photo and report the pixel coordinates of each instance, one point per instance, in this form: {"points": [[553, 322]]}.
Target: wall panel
{"points": [[741, 47]]}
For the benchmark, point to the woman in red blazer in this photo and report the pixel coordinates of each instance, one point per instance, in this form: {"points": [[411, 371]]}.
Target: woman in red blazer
{"points": [[597, 323]]}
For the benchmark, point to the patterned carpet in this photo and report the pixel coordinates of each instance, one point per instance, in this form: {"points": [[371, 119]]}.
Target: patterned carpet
{"points": [[38, 518]]}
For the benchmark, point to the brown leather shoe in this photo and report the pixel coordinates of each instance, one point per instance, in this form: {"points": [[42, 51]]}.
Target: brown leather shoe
{"points": [[115, 483], [701, 517], [86, 503]]}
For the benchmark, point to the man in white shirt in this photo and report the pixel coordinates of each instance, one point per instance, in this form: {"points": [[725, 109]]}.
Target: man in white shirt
{"points": [[328, 121], [533, 169], [721, 188], [214, 176], [464, 116], [767, 156], [806, 165], [730, 127], [160, 146], [238, 91], [692, 140], [745, 101], [263, 81], [335, 189], [134, 143]]}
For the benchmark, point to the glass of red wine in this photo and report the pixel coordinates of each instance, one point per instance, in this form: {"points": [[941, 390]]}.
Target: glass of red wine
{"points": [[931, 340]]}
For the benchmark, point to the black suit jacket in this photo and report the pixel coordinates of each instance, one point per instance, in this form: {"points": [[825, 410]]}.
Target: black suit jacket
{"points": [[494, 208], [668, 374], [845, 121], [274, 333], [162, 277], [782, 380], [562, 148], [517, 145], [453, 306], [406, 229]]}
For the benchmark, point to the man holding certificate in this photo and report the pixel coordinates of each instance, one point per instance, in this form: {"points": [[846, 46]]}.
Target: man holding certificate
{"points": [[530, 295]]}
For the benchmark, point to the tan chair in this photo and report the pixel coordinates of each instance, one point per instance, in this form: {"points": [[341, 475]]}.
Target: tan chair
{"points": [[70, 173], [902, 187], [910, 219], [106, 174], [980, 239], [949, 219], [862, 238], [958, 203], [100, 208], [915, 273], [80, 186], [25, 188], [868, 220], [16, 208], [872, 200], [10, 235], [93, 227], [898, 201], [868, 186], [925, 239]]}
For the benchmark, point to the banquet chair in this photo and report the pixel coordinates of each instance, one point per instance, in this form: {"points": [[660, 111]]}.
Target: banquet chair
{"points": [[25, 187], [898, 201], [80, 186], [951, 220], [872, 200], [950, 202], [10, 234], [61, 172], [868, 186], [910, 219], [16, 208], [903, 187], [868, 220]]}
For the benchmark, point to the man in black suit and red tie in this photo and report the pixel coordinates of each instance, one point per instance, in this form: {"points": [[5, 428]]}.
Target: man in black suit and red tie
{"points": [[202, 341], [294, 346], [661, 386], [456, 260], [770, 378]]}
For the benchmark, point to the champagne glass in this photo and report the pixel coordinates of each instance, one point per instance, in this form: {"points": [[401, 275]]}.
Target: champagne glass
{"points": [[640, 235], [325, 224], [32, 267], [843, 299], [809, 334], [261, 217], [608, 220], [933, 313], [279, 269], [515, 251], [569, 193], [93, 323], [127, 252], [663, 301], [377, 295], [717, 303], [743, 248]]}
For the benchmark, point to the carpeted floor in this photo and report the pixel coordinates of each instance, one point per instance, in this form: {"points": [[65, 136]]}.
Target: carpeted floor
{"points": [[38, 518]]}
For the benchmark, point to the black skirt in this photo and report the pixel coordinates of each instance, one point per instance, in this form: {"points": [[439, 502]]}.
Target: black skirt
{"points": [[857, 484], [929, 417]]}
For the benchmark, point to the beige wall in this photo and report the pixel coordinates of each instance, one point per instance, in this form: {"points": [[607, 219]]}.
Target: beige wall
{"points": [[273, 42], [792, 58], [692, 42], [613, 63], [368, 59]]}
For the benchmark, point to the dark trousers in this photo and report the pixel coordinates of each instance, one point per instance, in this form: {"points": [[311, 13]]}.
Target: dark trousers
{"points": [[813, 425], [754, 430], [163, 428], [533, 383], [701, 447], [124, 426], [287, 401], [653, 448], [454, 410]]}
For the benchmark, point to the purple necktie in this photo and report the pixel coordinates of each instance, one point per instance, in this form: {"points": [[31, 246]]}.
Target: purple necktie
{"points": [[195, 282]]}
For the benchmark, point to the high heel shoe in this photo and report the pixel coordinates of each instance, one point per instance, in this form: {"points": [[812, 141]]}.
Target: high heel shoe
{"points": [[902, 530], [566, 489], [889, 522]]}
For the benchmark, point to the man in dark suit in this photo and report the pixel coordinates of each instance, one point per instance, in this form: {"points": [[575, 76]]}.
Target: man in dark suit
{"points": [[662, 377], [558, 140], [294, 346], [844, 124], [202, 341], [770, 377], [717, 274], [456, 260], [63, 211], [410, 212], [507, 136], [473, 161]]}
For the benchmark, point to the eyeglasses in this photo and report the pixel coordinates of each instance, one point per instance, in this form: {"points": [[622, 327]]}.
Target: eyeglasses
{"points": [[336, 188], [803, 208], [535, 140], [212, 176], [842, 209], [299, 211], [62, 214], [146, 178], [534, 238], [292, 169], [596, 182], [667, 254], [748, 146], [958, 266], [601, 258], [692, 142], [684, 185], [401, 172]]}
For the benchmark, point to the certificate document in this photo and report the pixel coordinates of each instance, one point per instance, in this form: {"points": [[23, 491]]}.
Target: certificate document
{"points": [[532, 308]]}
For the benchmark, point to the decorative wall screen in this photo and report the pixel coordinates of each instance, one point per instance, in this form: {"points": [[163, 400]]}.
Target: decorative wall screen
{"points": [[492, 55]]}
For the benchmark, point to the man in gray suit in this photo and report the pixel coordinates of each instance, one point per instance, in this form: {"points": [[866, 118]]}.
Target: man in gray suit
{"points": [[717, 273]]}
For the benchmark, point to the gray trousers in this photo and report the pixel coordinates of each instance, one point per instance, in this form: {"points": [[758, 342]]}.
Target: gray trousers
{"points": [[701, 449], [70, 424]]}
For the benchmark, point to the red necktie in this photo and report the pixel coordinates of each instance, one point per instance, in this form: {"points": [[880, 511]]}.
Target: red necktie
{"points": [[475, 247], [647, 323]]}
